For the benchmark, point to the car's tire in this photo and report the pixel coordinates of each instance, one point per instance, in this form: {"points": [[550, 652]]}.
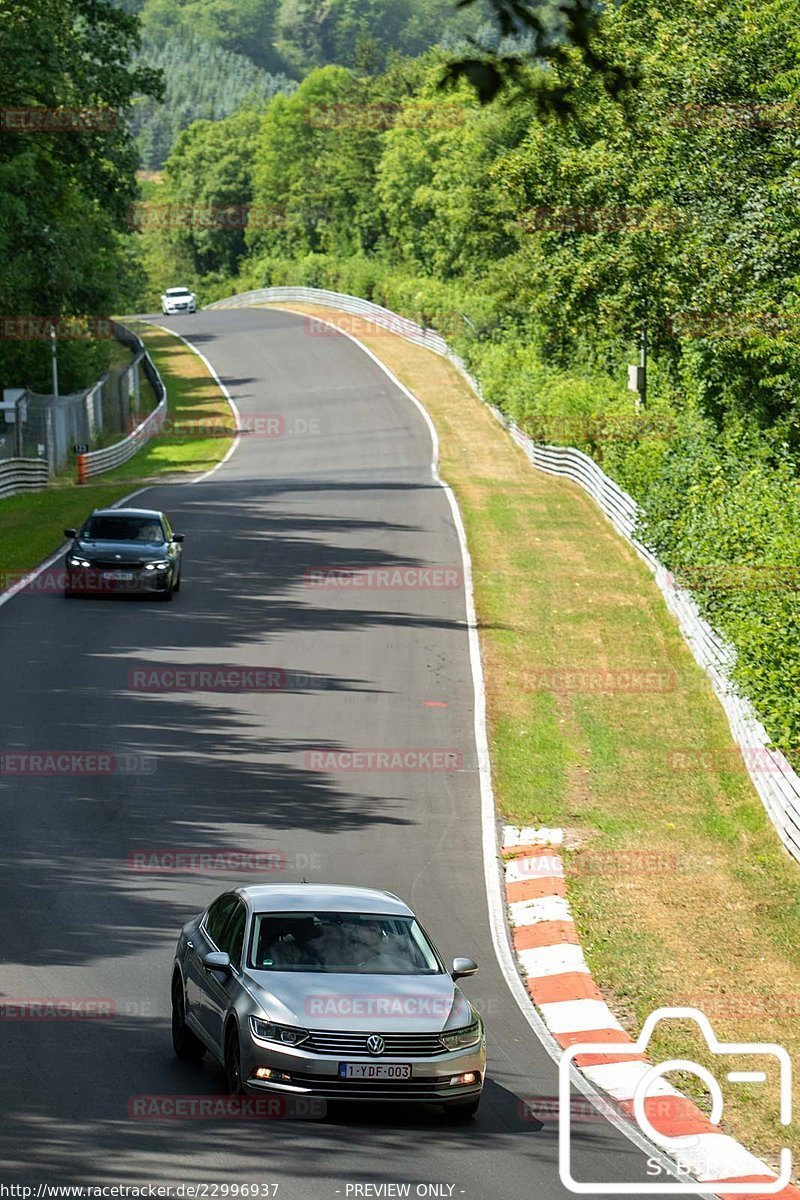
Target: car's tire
{"points": [[166, 596], [233, 1062], [177, 584], [186, 1045], [458, 1113]]}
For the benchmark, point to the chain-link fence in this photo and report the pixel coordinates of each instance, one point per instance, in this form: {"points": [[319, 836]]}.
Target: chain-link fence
{"points": [[51, 427]]}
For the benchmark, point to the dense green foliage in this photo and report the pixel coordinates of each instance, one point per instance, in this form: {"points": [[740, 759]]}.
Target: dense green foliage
{"points": [[202, 81], [65, 191], [218, 54], [540, 245]]}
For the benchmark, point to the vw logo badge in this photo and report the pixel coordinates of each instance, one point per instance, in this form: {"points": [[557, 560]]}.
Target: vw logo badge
{"points": [[376, 1044]]}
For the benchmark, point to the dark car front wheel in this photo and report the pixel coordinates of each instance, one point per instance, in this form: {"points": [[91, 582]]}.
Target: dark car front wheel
{"points": [[233, 1062], [184, 1043]]}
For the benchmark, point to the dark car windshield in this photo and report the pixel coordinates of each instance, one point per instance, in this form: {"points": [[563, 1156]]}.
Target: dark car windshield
{"points": [[341, 943], [123, 529]]}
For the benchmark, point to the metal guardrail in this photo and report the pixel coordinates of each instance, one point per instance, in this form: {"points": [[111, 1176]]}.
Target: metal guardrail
{"points": [[382, 317], [95, 462], [23, 475], [774, 779]]}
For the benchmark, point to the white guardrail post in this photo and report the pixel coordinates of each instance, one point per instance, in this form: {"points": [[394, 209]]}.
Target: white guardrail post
{"points": [[772, 775]]}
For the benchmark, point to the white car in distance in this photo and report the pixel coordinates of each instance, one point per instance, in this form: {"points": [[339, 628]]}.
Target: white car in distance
{"points": [[178, 300]]}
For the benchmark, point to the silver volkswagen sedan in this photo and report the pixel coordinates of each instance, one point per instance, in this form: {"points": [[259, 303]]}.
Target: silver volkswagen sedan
{"points": [[333, 992]]}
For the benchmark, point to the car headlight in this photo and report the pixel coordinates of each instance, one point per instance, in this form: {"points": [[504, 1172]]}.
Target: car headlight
{"points": [[74, 561], [161, 565], [459, 1039], [284, 1035]]}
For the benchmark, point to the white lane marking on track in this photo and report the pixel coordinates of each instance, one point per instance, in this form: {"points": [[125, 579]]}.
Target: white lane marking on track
{"points": [[492, 879], [233, 406]]}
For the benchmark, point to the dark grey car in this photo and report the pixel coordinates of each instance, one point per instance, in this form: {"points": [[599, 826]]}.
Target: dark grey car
{"points": [[124, 550], [332, 992]]}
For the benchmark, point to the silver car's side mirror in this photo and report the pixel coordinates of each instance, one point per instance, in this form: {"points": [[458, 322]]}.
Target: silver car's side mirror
{"points": [[217, 960], [463, 967]]}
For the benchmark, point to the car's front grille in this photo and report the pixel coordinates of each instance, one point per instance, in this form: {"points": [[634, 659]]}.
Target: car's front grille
{"points": [[402, 1045], [104, 564]]}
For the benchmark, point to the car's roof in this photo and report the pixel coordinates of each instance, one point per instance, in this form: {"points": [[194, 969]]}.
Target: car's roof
{"points": [[307, 897], [171, 291], [127, 512]]}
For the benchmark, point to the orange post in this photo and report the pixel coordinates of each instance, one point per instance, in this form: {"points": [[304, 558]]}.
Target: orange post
{"points": [[83, 473]]}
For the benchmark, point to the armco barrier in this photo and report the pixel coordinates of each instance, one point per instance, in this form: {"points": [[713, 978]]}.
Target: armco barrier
{"points": [[95, 462], [22, 475], [773, 777]]}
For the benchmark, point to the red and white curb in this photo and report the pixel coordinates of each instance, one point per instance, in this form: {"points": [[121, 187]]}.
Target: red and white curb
{"points": [[560, 984]]}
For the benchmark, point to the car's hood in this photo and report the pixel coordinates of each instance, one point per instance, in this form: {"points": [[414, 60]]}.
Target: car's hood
{"points": [[122, 551], [367, 1003]]}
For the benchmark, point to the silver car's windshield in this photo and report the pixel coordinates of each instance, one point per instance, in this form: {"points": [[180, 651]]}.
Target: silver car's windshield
{"points": [[341, 943]]}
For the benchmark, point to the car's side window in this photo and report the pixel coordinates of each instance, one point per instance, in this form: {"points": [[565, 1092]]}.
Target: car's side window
{"points": [[217, 916], [232, 936]]}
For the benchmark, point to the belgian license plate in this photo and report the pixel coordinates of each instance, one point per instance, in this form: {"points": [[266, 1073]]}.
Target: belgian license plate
{"points": [[374, 1070], [122, 576]]}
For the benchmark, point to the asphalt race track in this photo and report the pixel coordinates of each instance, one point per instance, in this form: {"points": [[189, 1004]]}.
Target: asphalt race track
{"points": [[348, 483]]}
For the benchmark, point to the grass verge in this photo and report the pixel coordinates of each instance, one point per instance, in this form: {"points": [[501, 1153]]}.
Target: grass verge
{"points": [[681, 890], [197, 435]]}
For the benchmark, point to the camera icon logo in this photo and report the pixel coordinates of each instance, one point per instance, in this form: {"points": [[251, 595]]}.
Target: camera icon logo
{"points": [[642, 1082]]}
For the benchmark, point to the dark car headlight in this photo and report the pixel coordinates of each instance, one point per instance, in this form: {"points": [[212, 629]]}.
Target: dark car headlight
{"points": [[460, 1039], [76, 561], [284, 1035], [161, 565]]}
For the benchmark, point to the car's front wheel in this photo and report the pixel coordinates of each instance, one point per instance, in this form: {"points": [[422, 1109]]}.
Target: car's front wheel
{"points": [[463, 1111], [233, 1062], [185, 1044]]}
